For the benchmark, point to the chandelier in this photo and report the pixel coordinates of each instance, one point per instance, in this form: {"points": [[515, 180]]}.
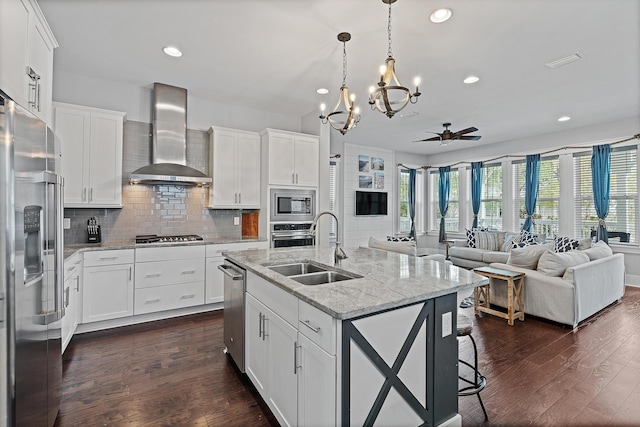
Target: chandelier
{"points": [[345, 116], [390, 98]]}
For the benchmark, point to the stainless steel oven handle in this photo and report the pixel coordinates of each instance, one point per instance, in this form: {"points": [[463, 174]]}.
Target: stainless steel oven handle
{"points": [[228, 271], [290, 236]]}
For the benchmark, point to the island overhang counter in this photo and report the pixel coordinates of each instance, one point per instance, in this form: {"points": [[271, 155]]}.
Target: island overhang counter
{"points": [[378, 349]]}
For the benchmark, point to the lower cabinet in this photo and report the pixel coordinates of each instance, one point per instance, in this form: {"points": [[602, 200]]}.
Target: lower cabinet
{"points": [[72, 301], [107, 293], [294, 376]]}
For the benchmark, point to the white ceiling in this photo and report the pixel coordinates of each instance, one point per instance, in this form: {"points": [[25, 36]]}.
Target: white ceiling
{"points": [[272, 55]]}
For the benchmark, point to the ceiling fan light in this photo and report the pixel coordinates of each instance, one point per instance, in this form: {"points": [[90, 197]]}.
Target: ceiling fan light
{"points": [[322, 91], [471, 79], [439, 16]]}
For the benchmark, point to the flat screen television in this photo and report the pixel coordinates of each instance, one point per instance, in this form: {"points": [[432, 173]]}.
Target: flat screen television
{"points": [[371, 203]]}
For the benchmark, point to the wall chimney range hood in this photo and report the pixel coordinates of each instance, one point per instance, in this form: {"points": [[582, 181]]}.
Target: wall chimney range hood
{"points": [[169, 142]]}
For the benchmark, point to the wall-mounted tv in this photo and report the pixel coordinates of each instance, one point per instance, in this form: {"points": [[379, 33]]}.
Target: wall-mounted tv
{"points": [[371, 203]]}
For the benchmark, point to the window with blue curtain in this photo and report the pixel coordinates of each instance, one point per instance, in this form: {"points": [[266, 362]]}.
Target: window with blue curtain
{"points": [[490, 214], [623, 194], [404, 220], [546, 217], [452, 219]]}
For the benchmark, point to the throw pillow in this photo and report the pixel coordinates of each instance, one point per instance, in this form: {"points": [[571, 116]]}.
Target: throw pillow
{"points": [[599, 250], [471, 238], [527, 257], [399, 239], [487, 240], [556, 263], [564, 244], [408, 248], [585, 244], [511, 240], [528, 237]]}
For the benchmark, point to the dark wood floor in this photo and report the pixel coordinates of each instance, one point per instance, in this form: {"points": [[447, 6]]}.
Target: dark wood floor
{"points": [[173, 373]]}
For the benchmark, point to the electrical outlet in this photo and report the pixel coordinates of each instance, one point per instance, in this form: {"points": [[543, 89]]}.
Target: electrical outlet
{"points": [[236, 220], [67, 223]]}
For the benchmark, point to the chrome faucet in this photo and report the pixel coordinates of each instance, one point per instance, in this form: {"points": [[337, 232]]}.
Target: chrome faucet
{"points": [[338, 254]]}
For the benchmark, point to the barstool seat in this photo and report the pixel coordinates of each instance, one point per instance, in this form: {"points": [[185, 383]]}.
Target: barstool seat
{"points": [[479, 381]]}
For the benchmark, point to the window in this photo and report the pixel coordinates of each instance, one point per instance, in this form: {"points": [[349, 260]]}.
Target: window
{"points": [[490, 214], [404, 223], [623, 193], [452, 219], [546, 214]]}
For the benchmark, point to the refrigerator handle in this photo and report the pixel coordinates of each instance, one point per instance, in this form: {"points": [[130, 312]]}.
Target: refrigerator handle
{"points": [[59, 244]]}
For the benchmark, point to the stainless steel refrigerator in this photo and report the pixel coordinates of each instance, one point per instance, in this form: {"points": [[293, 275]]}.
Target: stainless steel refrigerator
{"points": [[31, 257]]}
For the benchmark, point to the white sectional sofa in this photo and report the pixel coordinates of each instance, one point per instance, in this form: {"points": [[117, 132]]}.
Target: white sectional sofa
{"points": [[415, 248], [569, 298], [464, 256]]}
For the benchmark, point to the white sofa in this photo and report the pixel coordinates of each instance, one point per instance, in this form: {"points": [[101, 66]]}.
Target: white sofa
{"points": [[409, 248], [579, 293], [464, 256]]}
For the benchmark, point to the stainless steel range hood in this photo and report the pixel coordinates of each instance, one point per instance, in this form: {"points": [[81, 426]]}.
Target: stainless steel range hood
{"points": [[169, 142]]}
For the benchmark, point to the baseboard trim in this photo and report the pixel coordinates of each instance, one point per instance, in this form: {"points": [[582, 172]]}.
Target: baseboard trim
{"points": [[632, 280]]}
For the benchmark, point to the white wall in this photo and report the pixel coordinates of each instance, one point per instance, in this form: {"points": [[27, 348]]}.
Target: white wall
{"points": [[358, 229], [135, 100]]}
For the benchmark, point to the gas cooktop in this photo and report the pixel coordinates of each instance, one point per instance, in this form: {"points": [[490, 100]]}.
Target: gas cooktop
{"points": [[182, 238]]}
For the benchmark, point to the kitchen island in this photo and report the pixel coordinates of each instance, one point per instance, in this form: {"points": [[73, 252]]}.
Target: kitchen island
{"points": [[377, 349]]}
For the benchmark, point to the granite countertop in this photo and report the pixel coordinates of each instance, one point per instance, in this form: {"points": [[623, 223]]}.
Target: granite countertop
{"points": [[70, 250], [389, 279]]}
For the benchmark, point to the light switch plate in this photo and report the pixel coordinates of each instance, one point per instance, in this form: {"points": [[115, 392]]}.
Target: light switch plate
{"points": [[447, 327], [236, 220], [67, 223]]}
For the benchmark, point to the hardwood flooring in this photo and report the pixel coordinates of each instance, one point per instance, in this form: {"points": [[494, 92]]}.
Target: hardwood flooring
{"points": [[173, 373]]}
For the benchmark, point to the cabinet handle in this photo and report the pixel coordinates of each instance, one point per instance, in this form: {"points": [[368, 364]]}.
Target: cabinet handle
{"points": [[130, 268], [153, 275], [295, 358], [293, 178], [240, 198], [152, 301], [188, 272], [264, 327], [38, 95], [108, 258], [189, 296], [308, 325], [296, 178], [84, 194], [66, 297], [235, 198], [78, 262], [78, 283], [259, 325], [91, 194]]}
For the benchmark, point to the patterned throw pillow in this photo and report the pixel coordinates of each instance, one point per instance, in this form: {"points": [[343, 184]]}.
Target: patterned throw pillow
{"points": [[471, 238], [511, 240], [528, 238], [399, 239], [487, 240], [565, 244]]}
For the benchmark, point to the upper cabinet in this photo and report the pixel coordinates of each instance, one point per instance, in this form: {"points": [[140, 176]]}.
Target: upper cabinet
{"points": [[91, 145], [292, 158], [26, 56], [235, 169]]}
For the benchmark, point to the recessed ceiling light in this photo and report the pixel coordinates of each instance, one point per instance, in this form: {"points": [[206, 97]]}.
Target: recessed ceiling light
{"points": [[471, 79], [322, 91], [564, 119], [172, 51], [441, 15]]}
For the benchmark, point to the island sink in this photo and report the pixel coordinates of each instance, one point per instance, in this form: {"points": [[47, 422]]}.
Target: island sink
{"points": [[309, 273]]}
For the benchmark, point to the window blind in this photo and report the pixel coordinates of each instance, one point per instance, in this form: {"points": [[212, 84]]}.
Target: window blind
{"points": [[546, 214]]}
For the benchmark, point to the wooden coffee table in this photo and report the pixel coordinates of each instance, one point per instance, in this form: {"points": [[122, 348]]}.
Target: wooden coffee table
{"points": [[515, 293]]}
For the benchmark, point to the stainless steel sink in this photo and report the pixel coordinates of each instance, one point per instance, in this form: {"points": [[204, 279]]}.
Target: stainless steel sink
{"points": [[297, 268], [321, 278]]}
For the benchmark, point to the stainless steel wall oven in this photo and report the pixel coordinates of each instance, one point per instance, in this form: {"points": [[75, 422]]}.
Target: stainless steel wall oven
{"points": [[288, 235]]}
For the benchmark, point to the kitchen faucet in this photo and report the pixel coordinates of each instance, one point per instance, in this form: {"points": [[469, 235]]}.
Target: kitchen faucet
{"points": [[338, 254]]}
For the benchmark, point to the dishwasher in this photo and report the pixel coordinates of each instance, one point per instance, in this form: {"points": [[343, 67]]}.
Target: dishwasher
{"points": [[234, 288]]}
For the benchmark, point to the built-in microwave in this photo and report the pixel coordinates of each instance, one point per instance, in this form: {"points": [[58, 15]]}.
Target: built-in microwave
{"points": [[293, 205]]}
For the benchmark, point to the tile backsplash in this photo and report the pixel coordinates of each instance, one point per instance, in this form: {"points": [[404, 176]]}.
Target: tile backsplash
{"points": [[156, 209]]}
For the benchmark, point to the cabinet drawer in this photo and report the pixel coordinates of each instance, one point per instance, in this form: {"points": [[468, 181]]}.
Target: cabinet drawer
{"points": [[97, 258], [216, 250], [318, 326], [281, 302], [71, 265], [162, 273], [149, 300], [169, 253]]}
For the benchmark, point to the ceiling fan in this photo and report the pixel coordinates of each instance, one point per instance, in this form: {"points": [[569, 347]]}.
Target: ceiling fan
{"points": [[447, 135]]}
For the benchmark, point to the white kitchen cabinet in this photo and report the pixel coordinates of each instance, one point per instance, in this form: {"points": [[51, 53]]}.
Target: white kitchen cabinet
{"points": [[316, 374], [107, 285], [235, 168], [26, 49], [214, 284], [292, 159], [72, 298], [168, 278], [255, 345], [91, 148]]}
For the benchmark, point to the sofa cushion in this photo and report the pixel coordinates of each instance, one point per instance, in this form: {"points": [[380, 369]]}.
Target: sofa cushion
{"points": [[527, 256], [564, 244], [511, 240], [487, 240], [556, 263], [585, 244], [599, 250], [408, 248], [472, 254], [399, 239], [495, 256]]}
